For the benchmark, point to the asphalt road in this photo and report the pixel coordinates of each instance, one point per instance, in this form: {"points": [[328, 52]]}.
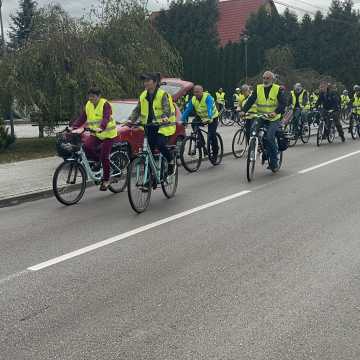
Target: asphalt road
{"points": [[272, 272]]}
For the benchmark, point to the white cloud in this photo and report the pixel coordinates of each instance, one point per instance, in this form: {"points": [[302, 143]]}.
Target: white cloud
{"points": [[74, 7]]}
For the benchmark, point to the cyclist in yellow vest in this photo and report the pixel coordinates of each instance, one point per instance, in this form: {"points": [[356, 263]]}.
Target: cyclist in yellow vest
{"points": [[345, 100], [299, 101], [251, 114], [355, 103], [220, 99], [156, 110], [97, 116], [270, 100], [203, 105], [238, 99]]}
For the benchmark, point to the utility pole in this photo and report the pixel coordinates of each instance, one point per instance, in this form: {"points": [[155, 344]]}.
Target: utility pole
{"points": [[4, 49]]}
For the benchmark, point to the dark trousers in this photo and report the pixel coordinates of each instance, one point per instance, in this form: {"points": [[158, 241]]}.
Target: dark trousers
{"points": [[336, 117], [91, 149], [158, 141], [212, 127]]}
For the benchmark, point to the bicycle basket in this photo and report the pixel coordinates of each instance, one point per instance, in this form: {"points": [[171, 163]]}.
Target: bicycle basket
{"points": [[67, 144], [283, 139]]}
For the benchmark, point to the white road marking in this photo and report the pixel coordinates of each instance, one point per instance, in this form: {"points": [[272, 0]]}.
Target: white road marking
{"points": [[136, 231], [329, 162]]}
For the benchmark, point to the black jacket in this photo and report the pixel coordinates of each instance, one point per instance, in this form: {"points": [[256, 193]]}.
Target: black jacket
{"points": [[329, 101]]}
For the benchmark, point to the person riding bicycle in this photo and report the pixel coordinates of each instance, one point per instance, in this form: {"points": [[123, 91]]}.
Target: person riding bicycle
{"points": [[97, 116], [203, 104], [345, 100], [271, 101], [220, 99], [251, 114], [314, 97], [155, 107], [329, 99], [356, 103], [238, 99], [299, 101]]}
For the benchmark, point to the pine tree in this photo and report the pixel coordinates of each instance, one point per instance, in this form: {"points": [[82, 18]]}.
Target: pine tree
{"points": [[22, 25]]}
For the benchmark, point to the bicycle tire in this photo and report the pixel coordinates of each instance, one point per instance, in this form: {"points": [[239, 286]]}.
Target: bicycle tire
{"points": [[331, 134], [164, 184], [251, 160], [238, 139], [320, 133], [191, 165], [142, 186], [294, 136], [226, 118], [220, 155], [121, 161], [305, 132], [75, 169]]}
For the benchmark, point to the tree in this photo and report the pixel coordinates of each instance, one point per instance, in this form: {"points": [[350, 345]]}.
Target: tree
{"points": [[22, 25], [190, 26]]}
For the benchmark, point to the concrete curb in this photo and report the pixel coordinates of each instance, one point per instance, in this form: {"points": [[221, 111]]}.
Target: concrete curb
{"points": [[42, 194]]}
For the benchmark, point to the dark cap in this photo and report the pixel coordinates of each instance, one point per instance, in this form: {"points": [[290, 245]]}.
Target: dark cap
{"points": [[150, 76]]}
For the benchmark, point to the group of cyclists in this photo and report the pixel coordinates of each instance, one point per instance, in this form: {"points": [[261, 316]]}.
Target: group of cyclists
{"points": [[262, 106]]}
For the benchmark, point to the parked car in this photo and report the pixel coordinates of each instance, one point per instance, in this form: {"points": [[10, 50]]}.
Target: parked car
{"points": [[133, 138]]}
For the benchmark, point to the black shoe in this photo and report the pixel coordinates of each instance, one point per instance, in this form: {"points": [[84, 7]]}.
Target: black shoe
{"points": [[171, 169], [342, 138], [96, 166]]}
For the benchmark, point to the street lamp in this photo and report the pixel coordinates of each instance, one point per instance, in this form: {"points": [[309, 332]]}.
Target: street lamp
{"points": [[246, 39]]}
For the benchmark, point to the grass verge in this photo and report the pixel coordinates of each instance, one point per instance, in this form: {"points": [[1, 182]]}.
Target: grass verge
{"points": [[27, 149]]}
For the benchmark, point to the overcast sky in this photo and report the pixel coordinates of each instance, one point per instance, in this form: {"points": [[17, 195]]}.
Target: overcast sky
{"points": [[77, 7]]}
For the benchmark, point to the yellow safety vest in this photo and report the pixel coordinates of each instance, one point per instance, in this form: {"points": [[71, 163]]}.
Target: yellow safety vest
{"points": [[95, 116], [345, 100], [301, 100], [252, 111], [313, 100], [268, 105], [239, 99], [220, 98], [356, 105], [168, 125], [201, 107]]}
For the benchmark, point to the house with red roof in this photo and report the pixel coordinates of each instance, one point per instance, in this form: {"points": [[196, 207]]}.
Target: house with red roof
{"points": [[233, 15]]}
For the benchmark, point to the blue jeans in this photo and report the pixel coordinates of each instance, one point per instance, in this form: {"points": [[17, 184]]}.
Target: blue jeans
{"points": [[270, 144]]}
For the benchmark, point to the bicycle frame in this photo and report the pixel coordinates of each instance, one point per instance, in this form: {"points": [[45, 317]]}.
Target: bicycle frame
{"points": [[151, 162]]}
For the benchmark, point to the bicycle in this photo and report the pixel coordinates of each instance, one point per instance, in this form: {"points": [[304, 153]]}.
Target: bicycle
{"points": [[239, 143], [227, 116], [345, 114], [354, 128], [257, 147], [326, 128], [302, 130], [72, 175], [194, 147], [146, 172]]}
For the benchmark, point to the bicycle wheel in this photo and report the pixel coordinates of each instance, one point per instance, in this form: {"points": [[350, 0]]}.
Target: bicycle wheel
{"points": [[294, 134], [139, 184], [305, 132], [191, 154], [216, 160], [251, 160], [320, 133], [226, 118], [119, 162], [346, 117], [179, 141], [69, 182], [239, 144], [332, 133], [170, 183]]}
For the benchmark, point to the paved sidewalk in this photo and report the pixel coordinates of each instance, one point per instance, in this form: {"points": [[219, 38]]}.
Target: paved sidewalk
{"points": [[25, 179]]}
